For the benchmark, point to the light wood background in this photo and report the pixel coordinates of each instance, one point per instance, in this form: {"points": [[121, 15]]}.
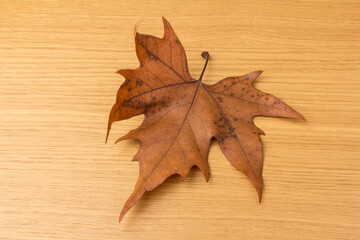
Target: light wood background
{"points": [[58, 180]]}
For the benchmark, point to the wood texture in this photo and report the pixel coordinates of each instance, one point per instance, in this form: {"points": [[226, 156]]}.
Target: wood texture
{"points": [[58, 180]]}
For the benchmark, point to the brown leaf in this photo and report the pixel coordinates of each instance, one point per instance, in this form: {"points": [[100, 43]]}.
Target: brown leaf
{"points": [[183, 114]]}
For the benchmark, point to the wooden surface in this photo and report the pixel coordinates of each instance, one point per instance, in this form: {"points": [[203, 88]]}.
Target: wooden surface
{"points": [[58, 180]]}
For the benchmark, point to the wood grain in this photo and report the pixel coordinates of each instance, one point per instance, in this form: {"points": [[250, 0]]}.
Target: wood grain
{"points": [[58, 180]]}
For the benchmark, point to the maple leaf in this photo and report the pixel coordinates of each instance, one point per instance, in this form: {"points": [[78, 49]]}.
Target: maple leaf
{"points": [[183, 114]]}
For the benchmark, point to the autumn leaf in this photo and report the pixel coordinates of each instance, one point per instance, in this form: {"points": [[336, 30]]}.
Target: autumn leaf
{"points": [[183, 114]]}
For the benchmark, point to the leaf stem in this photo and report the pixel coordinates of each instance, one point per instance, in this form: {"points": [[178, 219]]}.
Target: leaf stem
{"points": [[206, 56]]}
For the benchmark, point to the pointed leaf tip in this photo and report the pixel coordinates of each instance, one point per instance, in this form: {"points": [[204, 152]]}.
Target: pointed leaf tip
{"points": [[298, 115], [257, 74], [108, 132], [164, 19], [165, 22], [121, 217], [301, 117], [260, 197], [259, 192]]}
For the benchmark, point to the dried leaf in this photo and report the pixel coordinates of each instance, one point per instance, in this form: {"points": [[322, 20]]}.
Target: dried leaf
{"points": [[183, 114]]}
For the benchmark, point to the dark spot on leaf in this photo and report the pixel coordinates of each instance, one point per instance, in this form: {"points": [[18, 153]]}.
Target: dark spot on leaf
{"points": [[138, 82]]}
